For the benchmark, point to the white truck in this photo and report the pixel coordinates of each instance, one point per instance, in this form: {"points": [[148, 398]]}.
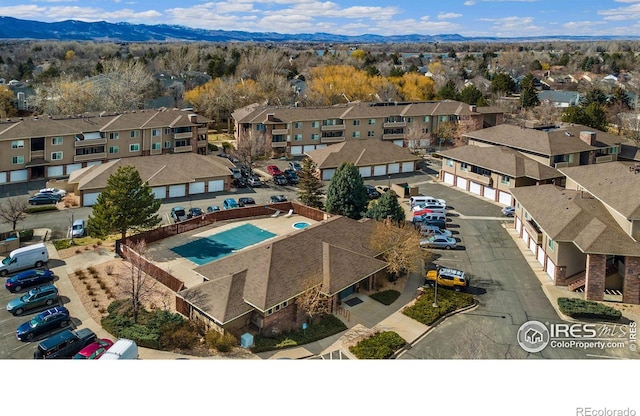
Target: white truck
{"points": [[22, 258], [122, 349]]}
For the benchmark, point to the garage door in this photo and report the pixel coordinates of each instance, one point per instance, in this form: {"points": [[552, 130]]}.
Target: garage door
{"points": [[541, 256], [408, 167], [308, 148], [399, 143], [176, 191], [551, 269], [73, 167], [160, 192], [379, 170], [394, 168], [18, 175], [525, 237], [490, 193], [327, 174], [449, 178], [504, 198], [518, 225], [3, 177], [475, 188], [196, 188], [53, 171], [89, 199], [216, 186], [461, 183], [296, 150], [532, 245], [365, 171]]}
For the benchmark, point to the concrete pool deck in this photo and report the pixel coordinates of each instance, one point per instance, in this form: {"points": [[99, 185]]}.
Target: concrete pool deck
{"points": [[161, 254]]}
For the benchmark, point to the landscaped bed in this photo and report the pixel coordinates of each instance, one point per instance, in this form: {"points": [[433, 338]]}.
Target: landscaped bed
{"points": [[379, 346], [585, 309], [325, 327], [424, 312]]}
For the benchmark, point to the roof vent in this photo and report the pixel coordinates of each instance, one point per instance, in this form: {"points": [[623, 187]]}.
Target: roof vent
{"points": [[568, 134]]}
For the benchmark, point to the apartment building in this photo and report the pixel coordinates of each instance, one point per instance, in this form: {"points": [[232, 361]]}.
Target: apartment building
{"points": [[298, 130], [54, 147]]}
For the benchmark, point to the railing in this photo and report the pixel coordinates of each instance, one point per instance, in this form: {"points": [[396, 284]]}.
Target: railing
{"points": [[279, 131], [37, 154], [533, 232], [394, 136], [89, 142], [90, 156], [332, 127], [182, 149], [279, 144], [186, 135], [391, 124], [332, 139], [476, 177]]}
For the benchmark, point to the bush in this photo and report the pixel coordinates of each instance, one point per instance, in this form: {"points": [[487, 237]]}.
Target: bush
{"points": [[386, 297], [62, 244], [585, 309], [328, 325], [179, 335], [40, 208], [448, 301], [220, 342], [26, 235], [379, 346], [212, 147]]}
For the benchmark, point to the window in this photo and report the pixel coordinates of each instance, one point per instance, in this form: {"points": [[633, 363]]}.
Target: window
{"points": [[260, 127], [134, 147], [505, 180], [56, 155], [155, 132], [167, 131], [133, 134], [113, 150], [551, 244], [167, 144], [463, 166], [315, 136], [298, 124], [355, 134], [371, 133], [297, 137], [17, 144], [450, 163], [372, 121], [409, 119], [426, 119], [114, 136], [356, 122], [17, 160], [156, 146], [315, 124], [56, 141], [269, 311]]}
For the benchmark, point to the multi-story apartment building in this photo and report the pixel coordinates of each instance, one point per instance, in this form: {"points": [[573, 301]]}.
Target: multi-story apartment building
{"points": [[53, 147], [297, 130]]}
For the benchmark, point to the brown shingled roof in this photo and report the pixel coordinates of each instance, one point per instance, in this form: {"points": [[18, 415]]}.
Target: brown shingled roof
{"points": [[364, 152]]}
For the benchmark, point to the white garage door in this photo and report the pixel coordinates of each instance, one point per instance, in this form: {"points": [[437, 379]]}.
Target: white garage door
{"points": [[176, 191], [541, 257], [551, 269], [308, 148], [399, 143], [518, 225], [53, 171], [461, 183], [490, 193], [408, 167], [18, 175], [504, 198], [327, 174], [73, 167], [160, 192], [196, 188], [475, 188], [525, 237], [379, 170], [296, 150], [89, 199], [448, 178], [394, 168], [3, 177], [216, 186], [532, 245], [365, 171]]}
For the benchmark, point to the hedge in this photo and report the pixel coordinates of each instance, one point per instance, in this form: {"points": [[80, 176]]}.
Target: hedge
{"points": [[380, 346], [41, 208], [448, 301], [26, 235], [586, 309]]}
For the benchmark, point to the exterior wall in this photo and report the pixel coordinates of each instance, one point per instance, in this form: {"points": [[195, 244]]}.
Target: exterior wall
{"points": [[595, 277], [568, 256], [284, 320], [631, 283]]}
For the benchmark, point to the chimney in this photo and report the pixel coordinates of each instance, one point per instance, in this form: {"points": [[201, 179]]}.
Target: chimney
{"points": [[271, 116], [193, 118], [589, 137]]}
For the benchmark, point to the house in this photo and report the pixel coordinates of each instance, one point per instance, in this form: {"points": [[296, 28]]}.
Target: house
{"points": [[169, 175], [371, 157], [491, 172], [586, 235], [560, 99], [257, 287]]}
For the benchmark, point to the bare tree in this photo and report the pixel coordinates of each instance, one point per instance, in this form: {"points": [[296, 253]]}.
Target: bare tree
{"points": [[417, 137], [13, 210], [138, 284], [125, 85], [313, 301], [629, 124], [250, 147], [400, 247]]}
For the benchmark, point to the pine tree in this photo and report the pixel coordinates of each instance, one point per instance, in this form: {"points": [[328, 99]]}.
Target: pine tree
{"points": [[309, 186], [387, 206], [346, 194], [528, 94], [126, 203]]}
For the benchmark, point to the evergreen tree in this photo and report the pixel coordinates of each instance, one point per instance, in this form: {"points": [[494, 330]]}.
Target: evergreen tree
{"points": [[346, 194], [503, 83], [309, 186], [592, 115], [528, 94], [126, 203], [386, 206], [448, 91], [473, 96]]}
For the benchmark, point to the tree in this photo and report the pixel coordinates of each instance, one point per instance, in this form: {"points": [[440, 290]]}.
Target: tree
{"points": [[126, 203], [346, 194], [414, 86], [7, 98], [528, 93], [503, 83], [449, 91], [314, 302], [250, 147], [400, 247], [138, 284], [12, 210], [387, 206], [592, 115], [473, 96], [309, 185]]}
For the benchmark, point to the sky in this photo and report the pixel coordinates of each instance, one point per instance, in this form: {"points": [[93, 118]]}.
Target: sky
{"points": [[472, 18]]}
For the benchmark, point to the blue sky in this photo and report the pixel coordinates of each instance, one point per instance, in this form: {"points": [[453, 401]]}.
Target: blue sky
{"points": [[502, 18]]}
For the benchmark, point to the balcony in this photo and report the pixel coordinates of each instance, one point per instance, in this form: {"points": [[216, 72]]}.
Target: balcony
{"points": [[393, 136], [332, 127], [203, 130], [89, 142], [533, 231], [201, 143], [90, 156], [178, 136], [183, 149], [279, 144], [394, 124], [332, 139], [482, 179], [276, 132], [37, 154]]}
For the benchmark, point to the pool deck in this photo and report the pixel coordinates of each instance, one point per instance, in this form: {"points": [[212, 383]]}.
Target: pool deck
{"points": [[161, 254]]}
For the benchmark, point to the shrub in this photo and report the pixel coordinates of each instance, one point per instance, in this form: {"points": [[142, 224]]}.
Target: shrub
{"points": [[92, 270], [379, 346], [26, 235], [212, 147], [220, 342], [448, 301], [326, 326], [90, 292], [78, 251], [108, 269], [179, 335], [585, 309], [386, 297], [40, 208], [79, 273], [62, 244]]}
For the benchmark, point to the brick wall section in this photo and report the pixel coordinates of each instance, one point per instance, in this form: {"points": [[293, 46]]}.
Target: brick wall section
{"points": [[596, 271], [631, 284]]}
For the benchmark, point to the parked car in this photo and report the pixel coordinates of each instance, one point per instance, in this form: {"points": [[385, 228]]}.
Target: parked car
{"points": [[420, 199], [437, 222], [280, 179], [44, 199], [27, 257], [55, 191], [292, 176], [447, 277], [372, 192], [245, 171], [56, 317], [434, 207], [122, 349], [178, 214], [255, 181], [246, 201], [278, 198], [94, 350], [382, 189], [423, 211], [28, 278], [78, 228], [438, 242], [229, 203], [508, 211], [240, 182], [429, 230], [65, 344], [213, 208], [34, 298], [236, 173], [273, 170], [296, 166], [194, 212]]}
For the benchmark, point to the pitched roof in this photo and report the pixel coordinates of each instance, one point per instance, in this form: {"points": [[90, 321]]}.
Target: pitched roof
{"points": [[365, 152], [502, 160]]}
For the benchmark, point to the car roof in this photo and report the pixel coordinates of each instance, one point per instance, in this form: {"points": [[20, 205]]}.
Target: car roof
{"points": [[42, 288], [450, 271]]}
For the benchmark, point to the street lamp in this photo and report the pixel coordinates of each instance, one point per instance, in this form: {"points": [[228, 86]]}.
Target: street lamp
{"points": [[435, 295], [388, 182], [71, 228]]}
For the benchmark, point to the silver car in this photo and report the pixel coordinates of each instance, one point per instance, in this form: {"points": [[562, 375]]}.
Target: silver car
{"points": [[438, 242]]}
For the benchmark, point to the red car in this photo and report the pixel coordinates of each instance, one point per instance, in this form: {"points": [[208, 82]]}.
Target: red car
{"points": [[424, 211], [273, 170], [94, 350]]}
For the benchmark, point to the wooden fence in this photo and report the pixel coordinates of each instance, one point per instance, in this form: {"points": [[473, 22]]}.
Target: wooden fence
{"points": [[154, 271]]}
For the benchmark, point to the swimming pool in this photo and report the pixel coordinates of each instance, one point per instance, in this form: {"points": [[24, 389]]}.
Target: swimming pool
{"points": [[207, 249]]}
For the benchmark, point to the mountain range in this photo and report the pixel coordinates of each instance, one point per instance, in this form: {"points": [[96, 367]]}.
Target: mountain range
{"points": [[19, 29]]}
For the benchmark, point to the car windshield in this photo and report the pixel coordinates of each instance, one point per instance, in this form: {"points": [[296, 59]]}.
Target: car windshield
{"points": [[35, 321], [6, 260], [26, 297]]}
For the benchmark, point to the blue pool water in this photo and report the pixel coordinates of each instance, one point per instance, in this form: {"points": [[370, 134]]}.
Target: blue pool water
{"points": [[300, 225], [207, 249]]}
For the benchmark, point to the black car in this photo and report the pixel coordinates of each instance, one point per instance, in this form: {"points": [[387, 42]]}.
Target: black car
{"points": [[246, 201], [292, 176], [372, 193], [44, 199], [280, 180], [65, 344], [194, 212], [240, 182], [56, 317], [278, 198]]}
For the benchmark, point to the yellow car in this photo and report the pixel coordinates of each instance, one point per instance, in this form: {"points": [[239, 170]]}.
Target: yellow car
{"points": [[447, 277]]}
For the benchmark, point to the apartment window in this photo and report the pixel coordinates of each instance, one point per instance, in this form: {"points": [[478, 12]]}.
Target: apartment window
{"points": [[155, 132], [505, 180], [133, 134], [17, 160], [167, 144], [315, 124], [298, 124], [426, 119], [464, 167], [551, 244], [371, 133], [409, 119], [56, 141], [156, 146], [114, 136], [113, 150], [297, 137], [260, 127], [167, 131], [134, 147], [17, 144], [425, 130], [56, 155], [372, 121], [450, 163], [315, 136], [355, 134], [269, 311], [356, 122]]}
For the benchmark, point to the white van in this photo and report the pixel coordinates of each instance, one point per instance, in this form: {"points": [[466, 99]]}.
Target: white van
{"points": [[421, 200], [122, 349], [78, 228], [22, 258]]}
